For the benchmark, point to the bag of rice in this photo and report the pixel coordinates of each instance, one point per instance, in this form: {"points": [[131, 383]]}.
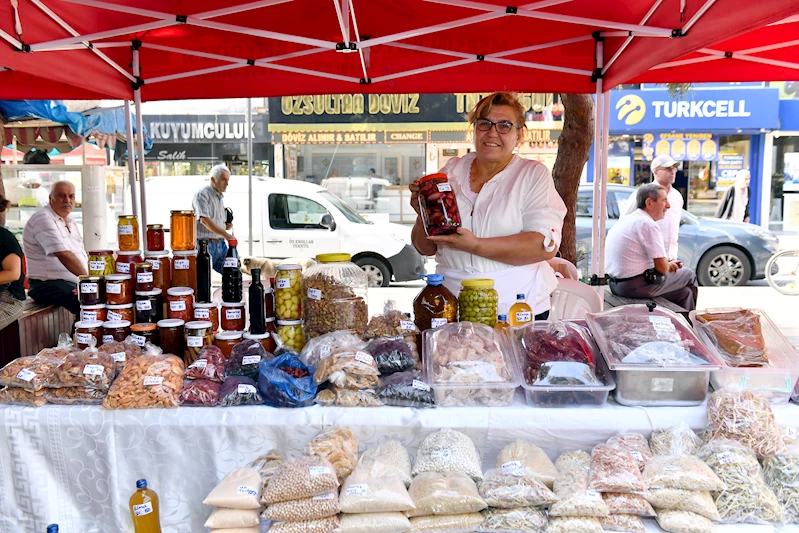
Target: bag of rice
{"points": [[529, 457], [241, 489], [444, 493], [232, 518], [362, 493], [695, 501], [374, 523], [684, 522]]}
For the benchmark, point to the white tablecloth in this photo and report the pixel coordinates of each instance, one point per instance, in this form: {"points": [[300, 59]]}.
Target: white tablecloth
{"points": [[77, 466]]}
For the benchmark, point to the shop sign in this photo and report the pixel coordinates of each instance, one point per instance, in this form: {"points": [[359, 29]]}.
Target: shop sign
{"points": [[411, 137], [681, 146], [176, 152], [728, 166], [328, 137], [205, 128]]}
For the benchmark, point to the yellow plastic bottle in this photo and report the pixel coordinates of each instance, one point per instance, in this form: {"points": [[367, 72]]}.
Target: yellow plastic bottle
{"points": [[502, 323], [144, 509], [520, 312]]}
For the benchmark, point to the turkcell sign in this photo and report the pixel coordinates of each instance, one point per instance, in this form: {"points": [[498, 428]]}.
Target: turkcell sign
{"points": [[705, 110]]}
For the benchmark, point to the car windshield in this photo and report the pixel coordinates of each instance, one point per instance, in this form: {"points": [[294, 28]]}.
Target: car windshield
{"points": [[348, 212]]}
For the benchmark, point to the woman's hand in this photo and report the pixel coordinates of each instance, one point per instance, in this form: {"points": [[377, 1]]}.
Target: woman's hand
{"points": [[464, 240], [414, 188]]}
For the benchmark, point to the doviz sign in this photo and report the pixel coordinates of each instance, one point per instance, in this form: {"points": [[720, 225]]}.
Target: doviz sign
{"points": [[704, 110]]}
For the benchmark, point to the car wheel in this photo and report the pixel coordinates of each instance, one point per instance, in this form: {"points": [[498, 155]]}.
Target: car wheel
{"points": [[376, 271], [724, 266]]}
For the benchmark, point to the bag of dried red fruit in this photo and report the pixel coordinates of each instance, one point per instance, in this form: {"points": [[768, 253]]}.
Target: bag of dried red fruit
{"points": [[438, 205], [286, 382]]}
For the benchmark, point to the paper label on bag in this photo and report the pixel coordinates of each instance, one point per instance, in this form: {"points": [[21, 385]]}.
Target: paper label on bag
{"points": [[357, 490], [250, 359], [143, 509], [407, 325], [513, 468], [193, 341], [139, 340], [246, 389], [83, 338], [180, 305], [202, 313], [444, 187], [144, 305], [662, 384], [199, 363], [637, 456], [593, 495], [231, 262], [144, 277], [325, 496], [88, 288], [246, 489], [181, 264], [156, 263], [125, 230], [791, 432], [438, 322], [524, 316], [153, 380], [112, 315], [113, 288], [325, 350], [233, 314], [420, 385], [93, 370], [441, 454], [664, 329], [98, 266], [365, 358], [284, 283], [314, 294], [670, 468], [26, 375], [724, 458], [119, 357], [108, 338], [319, 470], [123, 268]]}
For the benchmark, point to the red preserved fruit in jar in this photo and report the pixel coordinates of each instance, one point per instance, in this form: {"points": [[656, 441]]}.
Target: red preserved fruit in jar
{"points": [[155, 237], [438, 205], [233, 316], [181, 303], [126, 260], [144, 281]]}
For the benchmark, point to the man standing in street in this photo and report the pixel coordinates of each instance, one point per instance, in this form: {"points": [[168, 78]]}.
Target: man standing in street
{"points": [[635, 256], [211, 215]]}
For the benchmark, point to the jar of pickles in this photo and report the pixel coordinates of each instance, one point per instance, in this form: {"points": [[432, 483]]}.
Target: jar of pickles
{"points": [[207, 311], [182, 230], [162, 269], [438, 205], [180, 303], [144, 277], [115, 330], [91, 290], [170, 332], [265, 339], [233, 316], [144, 333], [101, 263], [149, 306], [118, 289], [84, 331], [288, 292], [93, 313], [477, 301], [155, 237], [197, 335], [292, 333], [115, 313], [435, 305], [226, 340], [335, 296], [184, 269], [128, 232], [125, 260]]}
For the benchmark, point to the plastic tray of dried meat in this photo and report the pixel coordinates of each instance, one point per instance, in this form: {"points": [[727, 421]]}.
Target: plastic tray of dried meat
{"points": [[775, 381]]}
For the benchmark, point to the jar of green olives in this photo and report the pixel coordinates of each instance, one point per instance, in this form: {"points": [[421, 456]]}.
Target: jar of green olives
{"points": [[477, 301]]}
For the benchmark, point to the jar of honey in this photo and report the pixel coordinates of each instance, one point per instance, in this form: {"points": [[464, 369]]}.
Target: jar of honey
{"points": [[184, 269], [226, 340], [180, 303], [162, 269], [125, 260], [128, 233], [182, 231], [155, 237]]}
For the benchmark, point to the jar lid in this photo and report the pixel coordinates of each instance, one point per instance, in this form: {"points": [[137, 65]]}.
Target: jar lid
{"points": [[333, 258], [233, 304], [198, 324], [270, 319], [92, 307], [90, 278], [143, 326], [289, 322], [435, 279], [437, 175], [180, 291], [288, 267], [229, 335], [134, 252], [88, 324], [255, 336], [156, 254], [142, 265], [478, 283], [207, 305], [186, 253], [155, 226], [118, 277], [171, 323], [101, 252], [154, 292], [182, 212], [127, 216], [120, 306], [114, 324]]}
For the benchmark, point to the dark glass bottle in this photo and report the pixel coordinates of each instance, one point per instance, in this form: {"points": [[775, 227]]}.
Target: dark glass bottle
{"points": [[257, 304], [204, 267], [231, 274]]}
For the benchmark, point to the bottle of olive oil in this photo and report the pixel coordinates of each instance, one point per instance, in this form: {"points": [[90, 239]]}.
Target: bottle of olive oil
{"points": [[144, 509], [520, 312]]}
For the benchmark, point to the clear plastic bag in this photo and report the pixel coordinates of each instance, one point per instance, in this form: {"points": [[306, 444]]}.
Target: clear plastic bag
{"points": [[149, 381], [347, 398], [392, 323], [660, 353], [626, 523], [614, 470], [737, 335], [695, 501], [29, 373], [405, 389], [458, 523], [228, 519], [565, 374], [313, 508], [573, 525], [302, 477], [626, 503], [389, 459], [337, 445], [240, 489], [539, 343], [88, 368], [374, 523], [19, 396], [324, 345], [581, 504], [506, 489], [325, 525], [527, 457], [466, 352], [676, 440], [522, 520], [239, 390], [286, 382], [267, 464], [445, 493], [447, 450], [391, 355], [569, 459], [75, 396], [746, 417], [122, 353], [635, 443], [210, 364], [571, 486], [348, 369], [781, 473], [199, 392], [687, 472], [684, 522], [245, 359], [362, 493]]}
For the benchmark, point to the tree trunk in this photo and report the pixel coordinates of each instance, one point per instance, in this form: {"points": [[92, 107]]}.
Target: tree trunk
{"points": [[574, 145]]}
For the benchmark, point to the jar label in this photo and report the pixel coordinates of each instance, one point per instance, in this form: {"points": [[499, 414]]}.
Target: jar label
{"points": [[83, 338], [123, 268], [194, 341], [88, 288], [112, 315], [153, 380], [202, 313], [314, 294], [250, 359], [144, 508], [407, 325], [513, 468], [144, 305], [420, 385], [93, 370], [246, 389], [245, 489], [231, 262], [364, 358], [524, 316], [26, 375], [98, 266], [119, 357], [156, 263], [441, 454], [358, 490], [113, 288], [233, 314], [284, 283], [179, 305], [438, 322], [319, 470], [199, 363], [138, 340], [88, 316], [181, 264], [144, 277], [108, 338], [444, 187], [126, 230]]}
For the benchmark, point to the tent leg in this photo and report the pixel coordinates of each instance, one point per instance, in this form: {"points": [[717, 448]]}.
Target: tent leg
{"points": [[599, 115], [131, 160], [249, 163], [140, 142], [603, 207]]}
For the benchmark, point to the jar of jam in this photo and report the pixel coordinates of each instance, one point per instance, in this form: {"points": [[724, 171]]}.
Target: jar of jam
{"points": [[128, 232], [86, 330], [126, 259], [180, 303], [265, 339], [149, 306], [234, 317], [91, 290], [170, 332], [155, 237], [115, 330], [144, 277], [292, 333], [118, 289], [101, 262], [93, 313], [119, 312], [162, 269], [269, 302], [226, 340], [182, 228], [184, 269], [144, 333], [208, 311], [197, 334]]}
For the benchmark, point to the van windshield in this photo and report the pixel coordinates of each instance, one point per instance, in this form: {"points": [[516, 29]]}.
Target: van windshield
{"points": [[348, 212]]}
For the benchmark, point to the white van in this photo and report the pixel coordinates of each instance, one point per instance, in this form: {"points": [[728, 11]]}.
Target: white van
{"points": [[296, 219]]}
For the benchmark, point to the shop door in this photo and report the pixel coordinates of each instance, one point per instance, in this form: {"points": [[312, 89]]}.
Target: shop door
{"points": [[294, 228]]}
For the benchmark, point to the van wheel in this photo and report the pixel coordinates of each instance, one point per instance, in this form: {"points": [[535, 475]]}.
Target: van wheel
{"points": [[376, 271]]}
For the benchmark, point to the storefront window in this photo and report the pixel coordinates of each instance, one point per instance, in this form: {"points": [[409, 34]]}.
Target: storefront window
{"points": [[784, 212]]}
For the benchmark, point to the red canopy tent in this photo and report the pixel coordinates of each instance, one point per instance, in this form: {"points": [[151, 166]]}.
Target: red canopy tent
{"points": [[94, 155], [10, 156]]}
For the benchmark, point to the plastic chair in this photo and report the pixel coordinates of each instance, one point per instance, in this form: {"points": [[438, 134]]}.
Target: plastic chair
{"points": [[574, 299], [564, 268]]}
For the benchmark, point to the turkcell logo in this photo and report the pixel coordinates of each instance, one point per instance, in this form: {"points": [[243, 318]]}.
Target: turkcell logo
{"points": [[700, 109], [632, 109]]}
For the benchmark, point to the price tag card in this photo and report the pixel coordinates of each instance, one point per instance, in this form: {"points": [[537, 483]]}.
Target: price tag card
{"points": [[112, 315], [319, 470], [664, 329], [420, 385], [407, 325], [88, 316], [364, 358], [193, 341], [123, 268], [314, 294], [357, 490], [83, 338], [139, 340], [233, 314], [144, 277], [113, 288], [441, 454], [245, 489], [181, 264], [325, 496], [153, 380], [88, 288], [119, 357], [199, 363], [438, 322], [202, 313], [125, 230], [513, 468], [144, 305], [26, 375], [250, 359], [93, 370], [246, 389], [179, 305], [144, 508], [156, 263], [444, 187], [284, 283], [231, 262], [524, 316], [98, 266], [108, 338], [724, 458]]}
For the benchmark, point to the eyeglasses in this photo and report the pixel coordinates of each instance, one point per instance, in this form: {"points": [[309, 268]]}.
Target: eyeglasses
{"points": [[503, 127]]}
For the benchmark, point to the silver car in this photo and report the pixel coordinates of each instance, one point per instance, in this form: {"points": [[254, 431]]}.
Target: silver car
{"points": [[721, 252]]}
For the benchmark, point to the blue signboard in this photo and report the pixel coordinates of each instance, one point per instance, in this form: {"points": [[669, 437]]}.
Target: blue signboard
{"points": [[700, 111], [681, 146]]}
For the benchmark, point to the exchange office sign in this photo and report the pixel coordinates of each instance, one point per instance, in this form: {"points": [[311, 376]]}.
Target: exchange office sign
{"points": [[206, 128]]}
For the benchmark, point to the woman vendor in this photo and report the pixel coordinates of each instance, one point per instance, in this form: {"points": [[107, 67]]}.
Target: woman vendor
{"points": [[511, 214]]}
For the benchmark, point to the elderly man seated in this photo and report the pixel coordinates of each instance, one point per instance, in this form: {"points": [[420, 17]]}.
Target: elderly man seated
{"points": [[636, 259], [54, 251]]}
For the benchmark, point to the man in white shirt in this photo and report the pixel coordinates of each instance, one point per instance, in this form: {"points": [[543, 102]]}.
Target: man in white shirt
{"points": [[664, 170], [635, 256], [54, 252]]}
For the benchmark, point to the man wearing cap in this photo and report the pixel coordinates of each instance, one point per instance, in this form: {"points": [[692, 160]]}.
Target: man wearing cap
{"points": [[664, 170]]}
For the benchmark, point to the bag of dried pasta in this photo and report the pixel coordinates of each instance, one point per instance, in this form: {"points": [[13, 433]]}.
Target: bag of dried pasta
{"points": [[521, 455], [614, 470], [676, 440], [781, 473], [509, 490], [571, 486], [746, 417], [635, 443]]}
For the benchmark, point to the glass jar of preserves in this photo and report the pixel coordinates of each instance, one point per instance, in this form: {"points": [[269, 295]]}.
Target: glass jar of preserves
{"points": [[438, 205], [143, 333], [288, 292], [84, 331], [128, 233], [162, 269], [207, 311], [115, 330], [233, 316], [116, 313], [435, 305], [91, 290], [197, 335], [145, 281], [180, 301], [126, 260], [477, 301], [269, 302], [170, 332], [118, 289], [149, 306], [93, 313], [101, 263], [182, 230], [291, 333], [265, 339], [184, 269], [155, 237], [335, 296], [226, 340]]}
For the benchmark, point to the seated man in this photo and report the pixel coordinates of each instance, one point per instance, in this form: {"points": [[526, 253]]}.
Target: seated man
{"points": [[634, 247], [54, 250]]}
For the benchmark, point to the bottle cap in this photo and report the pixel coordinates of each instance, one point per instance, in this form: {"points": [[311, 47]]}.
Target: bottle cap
{"points": [[434, 279], [233, 242], [141, 484], [520, 296], [502, 318], [52, 528]]}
